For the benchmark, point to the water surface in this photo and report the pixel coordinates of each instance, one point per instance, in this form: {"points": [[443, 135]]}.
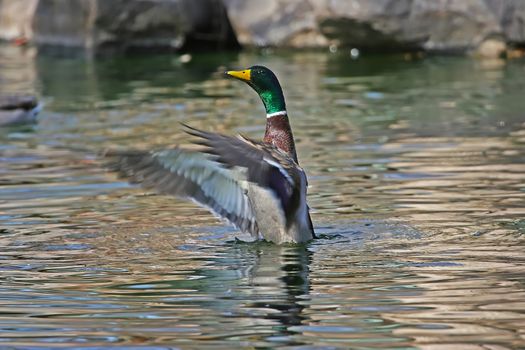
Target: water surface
{"points": [[416, 171]]}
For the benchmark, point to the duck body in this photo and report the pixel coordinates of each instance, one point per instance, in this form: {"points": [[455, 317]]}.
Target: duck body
{"points": [[18, 109], [257, 186], [273, 225]]}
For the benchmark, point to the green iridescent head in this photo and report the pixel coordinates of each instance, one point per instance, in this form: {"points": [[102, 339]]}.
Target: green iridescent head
{"points": [[265, 83]]}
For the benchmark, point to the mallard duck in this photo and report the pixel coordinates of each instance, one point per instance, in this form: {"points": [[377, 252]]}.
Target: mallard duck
{"points": [[256, 186], [18, 109]]}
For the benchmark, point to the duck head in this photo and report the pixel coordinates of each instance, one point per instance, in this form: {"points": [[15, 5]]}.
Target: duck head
{"points": [[265, 83]]}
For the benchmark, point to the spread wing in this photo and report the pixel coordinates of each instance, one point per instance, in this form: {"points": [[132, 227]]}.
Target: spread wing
{"points": [[191, 175], [218, 177]]}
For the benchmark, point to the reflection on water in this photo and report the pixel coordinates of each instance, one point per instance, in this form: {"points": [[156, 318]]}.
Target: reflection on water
{"points": [[416, 170]]}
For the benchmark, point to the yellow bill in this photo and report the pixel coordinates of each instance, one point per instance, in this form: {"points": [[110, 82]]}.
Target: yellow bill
{"points": [[245, 75]]}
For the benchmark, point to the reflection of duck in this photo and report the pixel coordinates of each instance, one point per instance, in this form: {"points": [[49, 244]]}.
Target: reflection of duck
{"points": [[257, 186], [267, 283], [279, 280], [18, 109]]}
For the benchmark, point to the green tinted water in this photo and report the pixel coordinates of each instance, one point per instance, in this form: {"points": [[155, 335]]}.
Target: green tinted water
{"points": [[416, 171]]}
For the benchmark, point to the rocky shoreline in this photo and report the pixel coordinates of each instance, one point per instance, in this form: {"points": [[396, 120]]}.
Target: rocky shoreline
{"points": [[483, 27]]}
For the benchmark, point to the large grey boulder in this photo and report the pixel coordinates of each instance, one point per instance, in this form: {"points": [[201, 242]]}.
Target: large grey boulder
{"points": [[291, 23], [118, 24], [436, 25]]}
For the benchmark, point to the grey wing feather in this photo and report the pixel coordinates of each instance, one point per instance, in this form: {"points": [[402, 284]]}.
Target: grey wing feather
{"points": [[190, 175], [232, 151]]}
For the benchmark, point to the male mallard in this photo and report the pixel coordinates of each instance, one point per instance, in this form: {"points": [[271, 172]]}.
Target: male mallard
{"points": [[18, 109], [257, 186]]}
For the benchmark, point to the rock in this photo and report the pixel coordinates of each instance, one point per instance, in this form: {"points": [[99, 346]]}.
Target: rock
{"points": [[289, 23], [371, 25], [16, 18], [379, 25], [456, 26], [491, 48], [511, 17], [18, 109], [121, 25], [452, 25]]}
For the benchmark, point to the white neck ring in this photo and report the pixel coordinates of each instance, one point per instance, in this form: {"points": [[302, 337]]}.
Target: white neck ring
{"points": [[270, 115]]}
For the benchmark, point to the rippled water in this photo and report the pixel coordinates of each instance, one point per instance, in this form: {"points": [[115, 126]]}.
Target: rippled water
{"points": [[416, 168]]}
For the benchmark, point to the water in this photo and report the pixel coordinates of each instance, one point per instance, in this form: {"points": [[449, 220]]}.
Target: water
{"points": [[416, 170]]}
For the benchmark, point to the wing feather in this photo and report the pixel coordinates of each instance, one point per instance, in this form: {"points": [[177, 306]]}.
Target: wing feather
{"points": [[217, 178], [190, 175]]}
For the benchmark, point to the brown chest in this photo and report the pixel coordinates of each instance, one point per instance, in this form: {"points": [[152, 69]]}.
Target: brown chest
{"points": [[279, 133]]}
